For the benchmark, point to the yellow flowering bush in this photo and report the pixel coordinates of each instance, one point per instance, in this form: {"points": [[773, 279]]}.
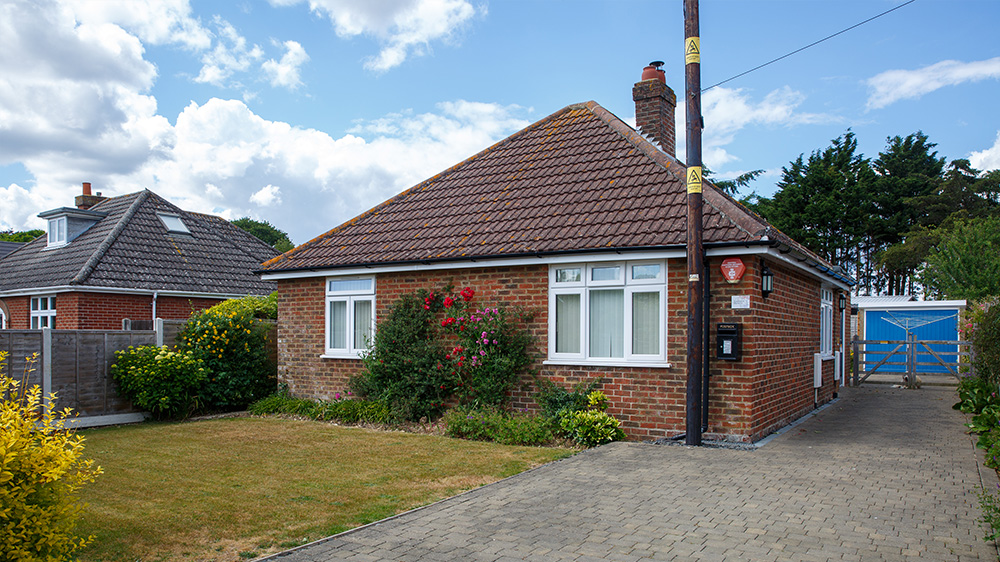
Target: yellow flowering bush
{"points": [[233, 346], [258, 307], [40, 472], [166, 383]]}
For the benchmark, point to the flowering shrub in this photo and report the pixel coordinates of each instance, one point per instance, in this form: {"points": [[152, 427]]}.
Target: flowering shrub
{"points": [[492, 352], [258, 307], [411, 367], [41, 471], [165, 383], [233, 347]]}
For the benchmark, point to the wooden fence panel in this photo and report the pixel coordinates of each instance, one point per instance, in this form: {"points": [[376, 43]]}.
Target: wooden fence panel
{"points": [[80, 364], [21, 345]]}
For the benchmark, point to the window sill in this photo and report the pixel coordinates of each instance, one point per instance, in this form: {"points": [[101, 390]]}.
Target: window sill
{"points": [[340, 356], [826, 357], [619, 363]]}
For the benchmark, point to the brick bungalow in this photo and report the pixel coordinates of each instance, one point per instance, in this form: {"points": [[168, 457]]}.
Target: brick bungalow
{"points": [[582, 219], [134, 257]]}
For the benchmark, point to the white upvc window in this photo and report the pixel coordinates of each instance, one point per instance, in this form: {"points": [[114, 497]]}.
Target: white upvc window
{"points": [[826, 322], [43, 312], [350, 315], [608, 312], [3, 320], [57, 232]]}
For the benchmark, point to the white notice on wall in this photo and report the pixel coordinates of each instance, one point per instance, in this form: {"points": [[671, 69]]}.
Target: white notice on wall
{"points": [[741, 302]]}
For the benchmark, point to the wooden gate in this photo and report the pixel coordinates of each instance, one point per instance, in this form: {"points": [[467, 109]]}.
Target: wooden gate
{"points": [[909, 358]]}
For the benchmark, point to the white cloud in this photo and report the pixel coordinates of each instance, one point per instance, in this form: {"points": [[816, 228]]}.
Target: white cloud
{"points": [[895, 85], [231, 54], [405, 28], [988, 159], [729, 111], [285, 72], [153, 21], [268, 195]]}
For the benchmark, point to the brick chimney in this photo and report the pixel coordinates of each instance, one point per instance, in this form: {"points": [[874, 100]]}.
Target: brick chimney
{"points": [[88, 200], [654, 107]]}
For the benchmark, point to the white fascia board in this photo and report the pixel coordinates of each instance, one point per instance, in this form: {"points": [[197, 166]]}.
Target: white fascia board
{"points": [[34, 291], [555, 259], [471, 264], [918, 305]]}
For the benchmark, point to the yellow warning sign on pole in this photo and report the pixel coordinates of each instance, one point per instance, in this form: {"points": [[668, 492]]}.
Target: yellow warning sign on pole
{"points": [[692, 50], [694, 179]]}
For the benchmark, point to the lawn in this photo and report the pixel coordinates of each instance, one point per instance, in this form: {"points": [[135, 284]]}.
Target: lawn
{"points": [[238, 488]]}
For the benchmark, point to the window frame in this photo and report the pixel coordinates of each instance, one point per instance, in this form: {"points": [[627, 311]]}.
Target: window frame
{"points": [[58, 232], [629, 286], [826, 321], [38, 315], [350, 297]]}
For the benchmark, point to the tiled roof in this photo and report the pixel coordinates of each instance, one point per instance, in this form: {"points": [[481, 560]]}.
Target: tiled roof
{"points": [[8, 247], [578, 180], [130, 248]]}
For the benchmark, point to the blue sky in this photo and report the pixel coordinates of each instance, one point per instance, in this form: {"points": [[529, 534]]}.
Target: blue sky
{"points": [[305, 113]]}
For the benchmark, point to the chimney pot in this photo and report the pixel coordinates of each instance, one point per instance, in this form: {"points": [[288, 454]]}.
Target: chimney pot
{"points": [[653, 72], [86, 188], [655, 104]]}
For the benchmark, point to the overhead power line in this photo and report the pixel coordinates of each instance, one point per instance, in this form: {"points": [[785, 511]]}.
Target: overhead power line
{"points": [[813, 44]]}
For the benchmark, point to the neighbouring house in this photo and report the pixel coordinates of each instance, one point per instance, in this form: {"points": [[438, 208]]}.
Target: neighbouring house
{"points": [[581, 219], [6, 248], [136, 257]]}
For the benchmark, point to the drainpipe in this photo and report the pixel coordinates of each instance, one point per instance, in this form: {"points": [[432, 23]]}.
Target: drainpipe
{"points": [[155, 294]]}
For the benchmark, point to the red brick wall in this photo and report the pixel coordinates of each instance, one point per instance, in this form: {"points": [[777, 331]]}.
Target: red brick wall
{"points": [[105, 311], [771, 385]]}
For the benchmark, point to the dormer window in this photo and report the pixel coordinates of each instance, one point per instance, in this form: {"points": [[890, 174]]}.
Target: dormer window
{"points": [[66, 224], [57, 232], [173, 223]]}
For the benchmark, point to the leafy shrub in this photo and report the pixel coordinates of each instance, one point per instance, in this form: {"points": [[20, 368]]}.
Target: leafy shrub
{"points": [[554, 399], [990, 522], [41, 470], [986, 344], [346, 411], [591, 428], [492, 424], [405, 366], [974, 394], [256, 306], [166, 383], [233, 347]]}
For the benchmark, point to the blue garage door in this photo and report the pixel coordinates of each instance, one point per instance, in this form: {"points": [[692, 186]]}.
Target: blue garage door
{"points": [[941, 325]]}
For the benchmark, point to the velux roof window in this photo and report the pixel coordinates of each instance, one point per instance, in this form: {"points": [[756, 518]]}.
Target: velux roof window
{"points": [[173, 223]]}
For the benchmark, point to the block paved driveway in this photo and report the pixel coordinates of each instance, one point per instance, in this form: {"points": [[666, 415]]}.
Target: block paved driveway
{"points": [[881, 474]]}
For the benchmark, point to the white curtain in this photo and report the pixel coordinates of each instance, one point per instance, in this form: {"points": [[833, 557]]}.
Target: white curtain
{"points": [[607, 323], [338, 324], [646, 323], [362, 323], [568, 323]]}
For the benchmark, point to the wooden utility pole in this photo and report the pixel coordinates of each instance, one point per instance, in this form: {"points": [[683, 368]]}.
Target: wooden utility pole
{"points": [[695, 249]]}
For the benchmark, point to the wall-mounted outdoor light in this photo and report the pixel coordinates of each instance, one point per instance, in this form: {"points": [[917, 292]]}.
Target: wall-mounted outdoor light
{"points": [[766, 281], [842, 302]]}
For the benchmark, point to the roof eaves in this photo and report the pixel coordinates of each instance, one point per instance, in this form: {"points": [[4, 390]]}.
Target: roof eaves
{"points": [[102, 249]]}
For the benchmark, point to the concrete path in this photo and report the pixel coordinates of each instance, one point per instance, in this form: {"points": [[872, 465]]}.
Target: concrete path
{"points": [[881, 474]]}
